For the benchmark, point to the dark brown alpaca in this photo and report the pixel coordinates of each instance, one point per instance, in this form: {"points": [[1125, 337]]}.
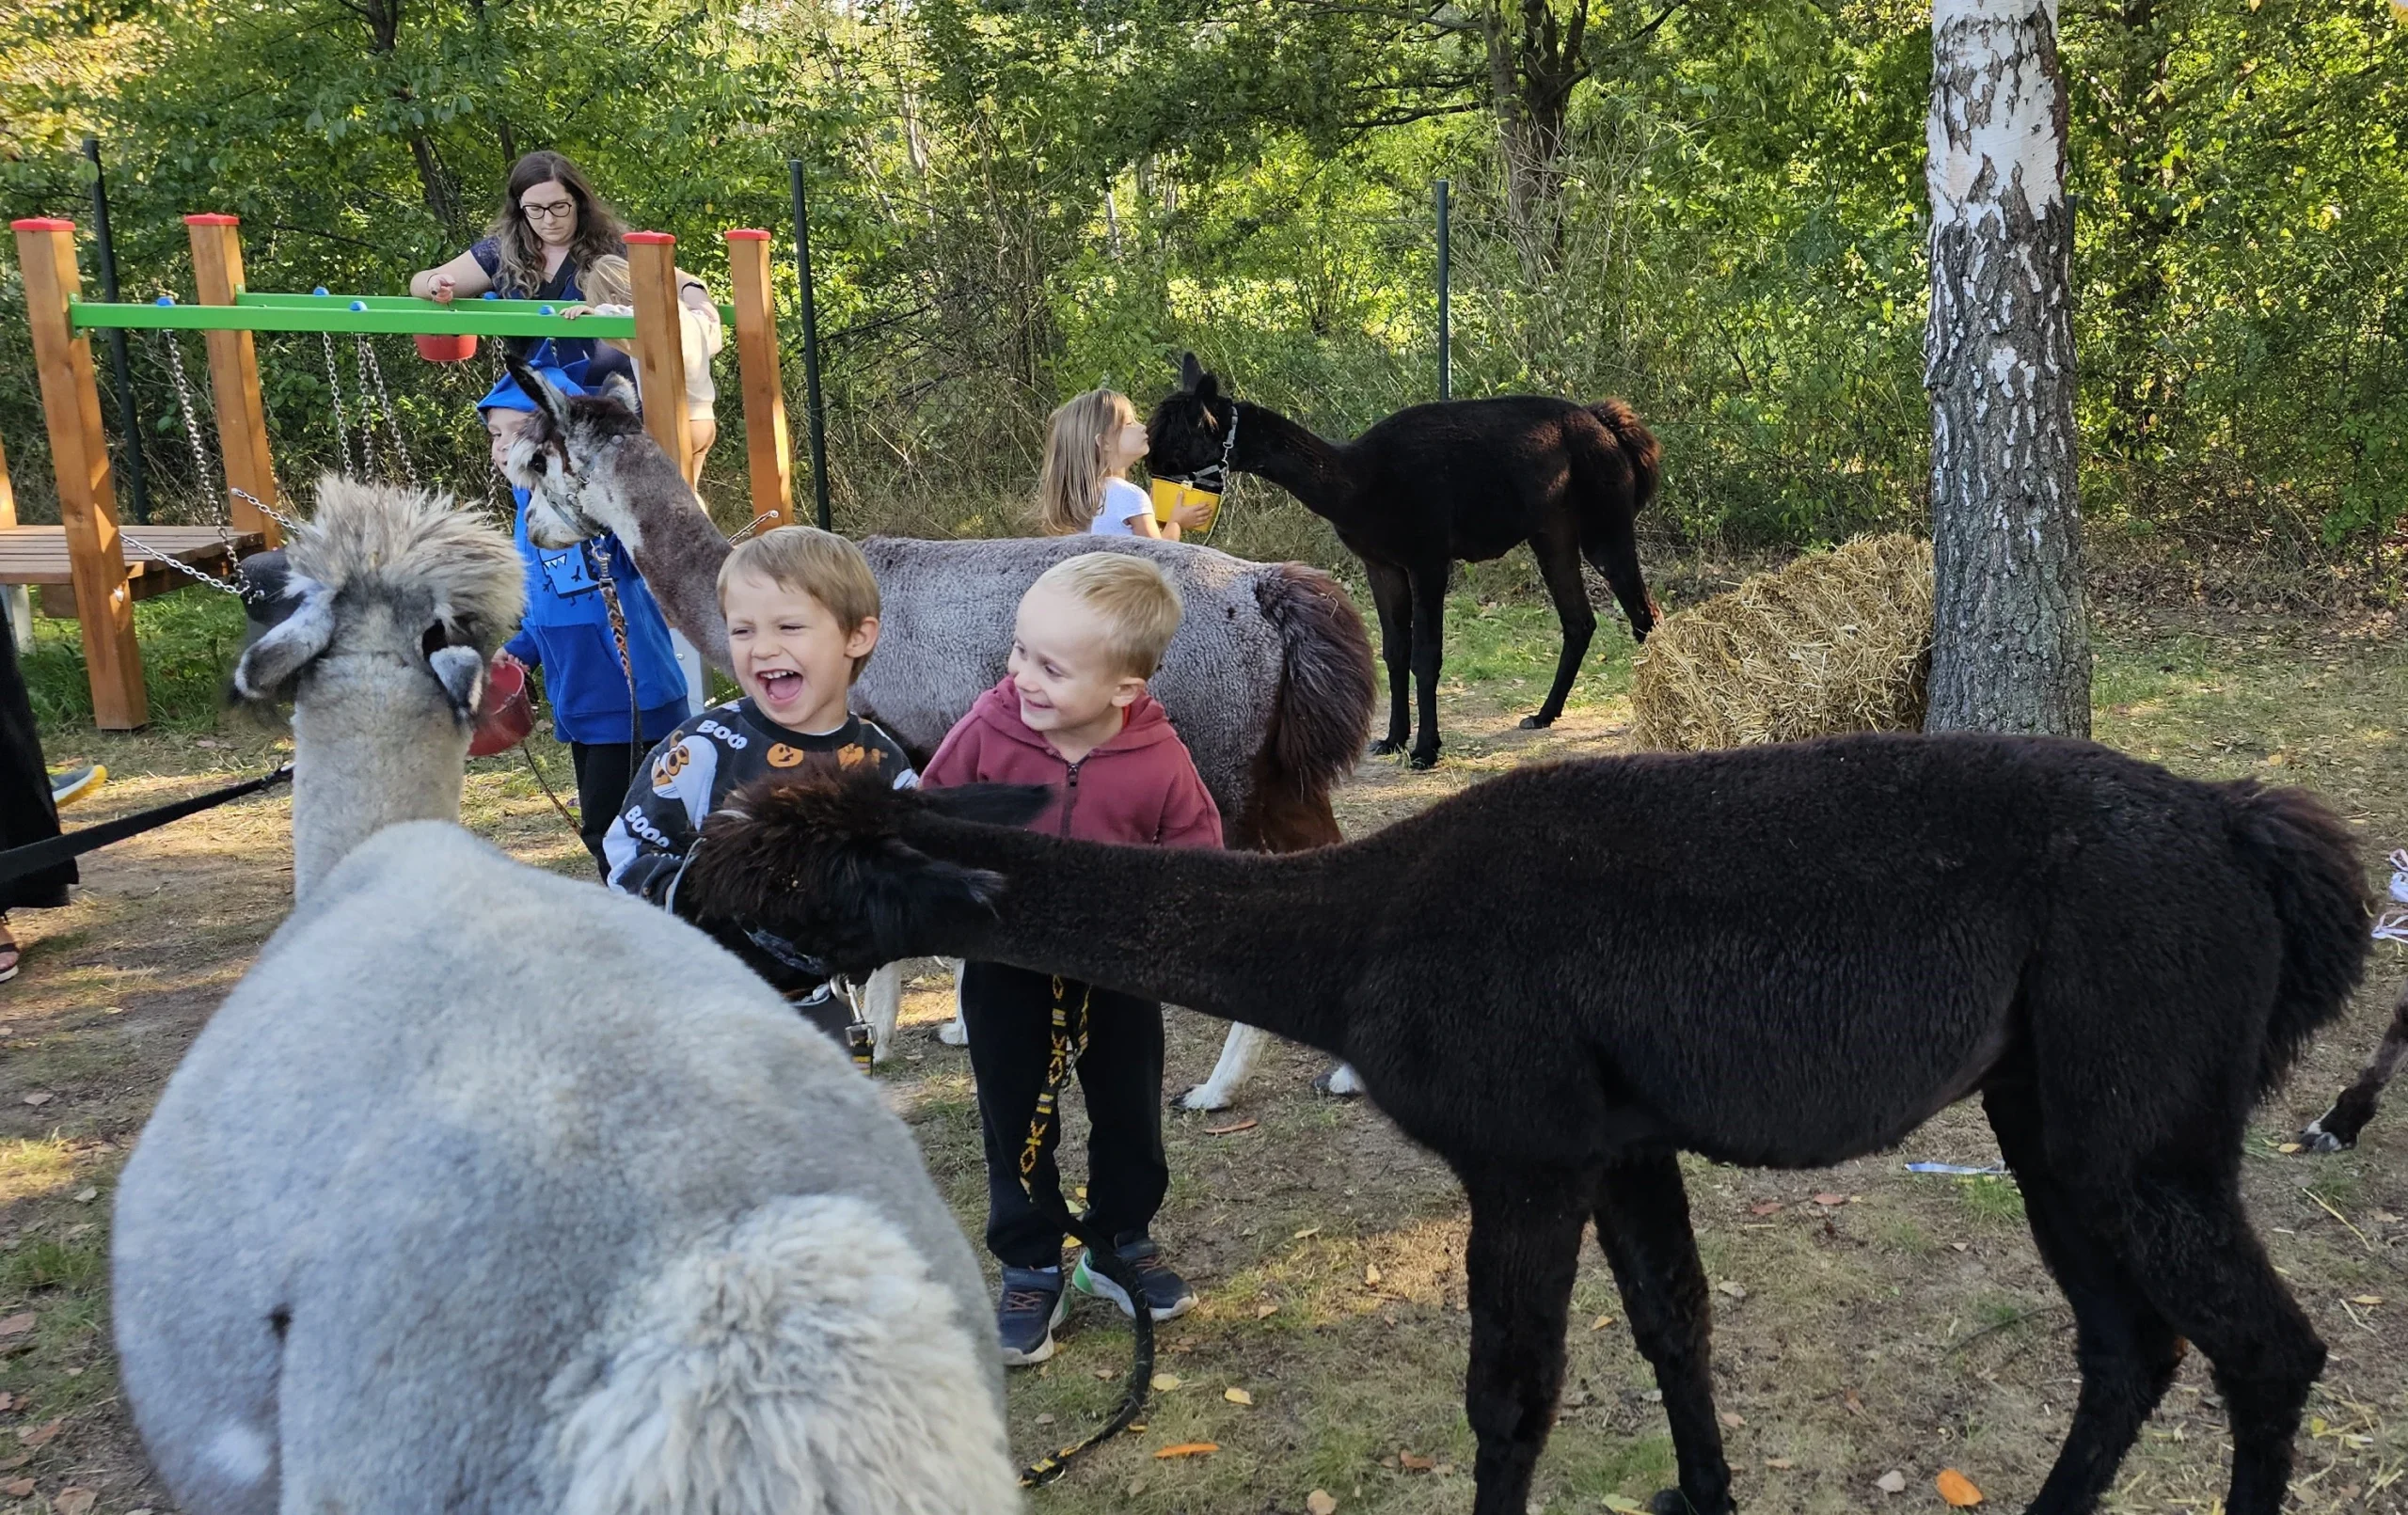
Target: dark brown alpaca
{"points": [[1562, 978], [1462, 481]]}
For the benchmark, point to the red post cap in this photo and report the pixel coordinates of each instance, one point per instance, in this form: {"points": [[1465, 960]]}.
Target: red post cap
{"points": [[746, 235], [42, 223], [213, 219], [651, 239]]}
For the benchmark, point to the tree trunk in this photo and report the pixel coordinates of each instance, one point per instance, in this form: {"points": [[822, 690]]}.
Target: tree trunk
{"points": [[2010, 642], [1534, 63]]}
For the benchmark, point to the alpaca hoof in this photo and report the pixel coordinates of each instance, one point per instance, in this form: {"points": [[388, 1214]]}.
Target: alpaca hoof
{"points": [[1423, 760], [1384, 746], [952, 1034], [1202, 1097], [1674, 1502], [2316, 1139], [1537, 723], [1340, 1082]]}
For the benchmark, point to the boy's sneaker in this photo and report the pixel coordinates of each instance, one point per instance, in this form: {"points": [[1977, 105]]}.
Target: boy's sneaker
{"points": [[1166, 1294], [1032, 1304]]}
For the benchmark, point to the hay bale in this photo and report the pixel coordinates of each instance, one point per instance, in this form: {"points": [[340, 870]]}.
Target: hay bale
{"points": [[1835, 641]]}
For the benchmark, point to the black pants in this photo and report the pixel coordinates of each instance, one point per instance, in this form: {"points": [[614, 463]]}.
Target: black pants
{"points": [[1009, 1015], [26, 813], [604, 770]]}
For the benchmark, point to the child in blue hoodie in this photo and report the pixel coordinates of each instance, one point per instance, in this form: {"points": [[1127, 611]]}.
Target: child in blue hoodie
{"points": [[567, 634]]}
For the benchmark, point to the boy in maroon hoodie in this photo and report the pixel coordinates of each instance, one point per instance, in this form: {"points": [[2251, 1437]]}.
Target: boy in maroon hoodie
{"points": [[1073, 712]]}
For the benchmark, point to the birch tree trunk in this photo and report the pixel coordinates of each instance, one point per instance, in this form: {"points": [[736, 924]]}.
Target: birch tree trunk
{"points": [[2010, 642]]}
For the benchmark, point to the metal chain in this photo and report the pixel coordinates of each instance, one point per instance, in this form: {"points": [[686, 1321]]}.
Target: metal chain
{"points": [[179, 565], [342, 422], [370, 369], [754, 525], [184, 400], [182, 383]]}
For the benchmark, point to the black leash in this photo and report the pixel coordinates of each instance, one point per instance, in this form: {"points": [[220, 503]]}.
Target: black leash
{"points": [[51, 851], [1068, 1046]]}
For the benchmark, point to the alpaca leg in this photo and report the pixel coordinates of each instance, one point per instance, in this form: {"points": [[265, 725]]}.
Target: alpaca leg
{"points": [[1393, 597], [1643, 1224], [1615, 553], [1559, 564], [1428, 637], [2187, 1242], [2125, 1350], [955, 1032], [2338, 1127], [1342, 1082], [1525, 1248], [881, 1005], [1220, 1091]]}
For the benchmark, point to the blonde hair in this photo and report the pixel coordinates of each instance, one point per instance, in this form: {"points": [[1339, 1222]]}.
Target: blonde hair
{"points": [[810, 562], [608, 281], [1070, 490], [1139, 608]]}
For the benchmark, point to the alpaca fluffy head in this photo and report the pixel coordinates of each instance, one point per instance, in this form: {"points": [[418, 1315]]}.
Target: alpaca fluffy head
{"points": [[821, 861], [381, 572], [1189, 430], [555, 457]]}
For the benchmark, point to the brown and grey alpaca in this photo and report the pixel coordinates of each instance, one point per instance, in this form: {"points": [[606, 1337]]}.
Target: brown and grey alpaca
{"points": [[1561, 979], [1269, 681]]}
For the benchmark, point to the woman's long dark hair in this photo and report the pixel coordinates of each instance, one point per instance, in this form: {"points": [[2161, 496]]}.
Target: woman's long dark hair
{"points": [[599, 230]]}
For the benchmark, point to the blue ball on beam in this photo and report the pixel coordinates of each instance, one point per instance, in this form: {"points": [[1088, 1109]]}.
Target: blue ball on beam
{"points": [[320, 290], [164, 299], [545, 310], [359, 304]]}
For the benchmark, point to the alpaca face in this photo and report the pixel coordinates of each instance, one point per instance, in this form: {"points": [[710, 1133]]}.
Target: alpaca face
{"points": [[553, 458], [1189, 429]]}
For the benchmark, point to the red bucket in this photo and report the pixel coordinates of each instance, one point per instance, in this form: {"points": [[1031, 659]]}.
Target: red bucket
{"points": [[437, 349], [505, 716]]}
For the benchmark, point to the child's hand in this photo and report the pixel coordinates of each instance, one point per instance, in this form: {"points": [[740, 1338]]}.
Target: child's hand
{"points": [[573, 312], [1192, 516]]}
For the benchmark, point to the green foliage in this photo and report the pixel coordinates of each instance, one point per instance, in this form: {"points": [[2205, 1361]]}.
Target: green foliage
{"points": [[1014, 199], [189, 643]]}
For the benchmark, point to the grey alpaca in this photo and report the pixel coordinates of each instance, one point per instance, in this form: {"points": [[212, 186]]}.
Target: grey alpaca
{"points": [[490, 1190], [1269, 680]]}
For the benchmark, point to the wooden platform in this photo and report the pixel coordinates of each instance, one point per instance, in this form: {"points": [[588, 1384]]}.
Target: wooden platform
{"points": [[37, 555]]}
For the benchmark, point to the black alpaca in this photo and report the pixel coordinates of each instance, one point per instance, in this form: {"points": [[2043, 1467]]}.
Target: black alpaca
{"points": [[1562, 977], [1463, 479], [2337, 1129]]}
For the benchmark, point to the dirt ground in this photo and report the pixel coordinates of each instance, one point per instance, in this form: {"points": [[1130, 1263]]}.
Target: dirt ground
{"points": [[1868, 1320]]}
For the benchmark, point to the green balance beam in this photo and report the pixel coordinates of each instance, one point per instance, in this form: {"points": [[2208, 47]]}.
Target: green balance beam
{"points": [[381, 315]]}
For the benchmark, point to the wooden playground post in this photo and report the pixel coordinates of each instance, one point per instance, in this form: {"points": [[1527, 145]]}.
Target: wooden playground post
{"points": [[766, 446], [660, 347], [234, 377], [79, 455]]}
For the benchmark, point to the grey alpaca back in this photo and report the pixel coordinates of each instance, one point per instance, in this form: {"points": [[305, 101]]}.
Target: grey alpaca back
{"points": [[947, 610]]}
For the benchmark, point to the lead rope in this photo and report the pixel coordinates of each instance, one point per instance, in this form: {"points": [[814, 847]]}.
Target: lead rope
{"points": [[609, 586], [1070, 1043]]}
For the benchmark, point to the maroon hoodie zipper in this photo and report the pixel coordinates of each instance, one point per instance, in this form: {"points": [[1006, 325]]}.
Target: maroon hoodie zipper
{"points": [[1069, 794]]}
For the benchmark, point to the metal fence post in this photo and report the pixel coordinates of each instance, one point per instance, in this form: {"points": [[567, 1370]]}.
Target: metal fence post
{"points": [[814, 411], [129, 417]]}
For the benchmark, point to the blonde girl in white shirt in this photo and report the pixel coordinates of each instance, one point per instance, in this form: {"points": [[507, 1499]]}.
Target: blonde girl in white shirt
{"points": [[1090, 443]]}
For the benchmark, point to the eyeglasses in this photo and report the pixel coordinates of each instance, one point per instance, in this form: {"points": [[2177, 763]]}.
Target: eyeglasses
{"points": [[549, 212]]}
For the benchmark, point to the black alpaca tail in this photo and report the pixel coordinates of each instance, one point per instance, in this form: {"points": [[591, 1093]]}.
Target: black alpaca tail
{"points": [[2308, 863], [1327, 687], [1637, 444]]}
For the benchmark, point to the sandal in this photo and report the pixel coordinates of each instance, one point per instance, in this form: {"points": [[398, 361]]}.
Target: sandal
{"points": [[7, 949]]}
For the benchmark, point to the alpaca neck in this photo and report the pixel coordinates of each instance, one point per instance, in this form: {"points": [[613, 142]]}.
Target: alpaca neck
{"points": [[1305, 465], [358, 767], [1225, 933], [641, 496]]}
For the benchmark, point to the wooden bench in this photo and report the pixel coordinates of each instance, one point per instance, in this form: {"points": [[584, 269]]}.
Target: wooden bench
{"points": [[37, 556]]}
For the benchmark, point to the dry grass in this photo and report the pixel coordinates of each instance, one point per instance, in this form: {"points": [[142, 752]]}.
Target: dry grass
{"points": [[1833, 641], [1908, 1327]]}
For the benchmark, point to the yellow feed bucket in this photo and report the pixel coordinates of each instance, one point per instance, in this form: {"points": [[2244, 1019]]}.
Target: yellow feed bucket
{"points": [[1170, 495]]}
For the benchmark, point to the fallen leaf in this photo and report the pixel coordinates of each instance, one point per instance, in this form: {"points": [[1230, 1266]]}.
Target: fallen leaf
{"points": [[2366, 1299], [1136, 1487], [10, 1464], [1625, 1506], [1892, 1482], [1264, 1312], [1320, 1502], [1603, 1321], [1165, 1383], [76, 1500], [1957, 1490], [1046, 1419], [1830, 1199], [8, 1401], [2290, 1147], [17, 1488], [1770, 1206], [1237, 1397], [40, 1097], [1309, 1231], [1733, 1288], [17, 1325], [1853, 1404], [1230, 1129], [1104, 1373], [1414, 1462], [1779, 1463], [85, 1196], [1370, 1275], [1190, 1449], [38, 1435], [1731, 1420]]}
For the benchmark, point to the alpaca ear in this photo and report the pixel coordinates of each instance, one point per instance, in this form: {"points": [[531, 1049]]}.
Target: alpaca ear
{"points": [[1191, 372], [989, 804], [303, 626], [461, 671], [550, 401], [909, 893]]}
